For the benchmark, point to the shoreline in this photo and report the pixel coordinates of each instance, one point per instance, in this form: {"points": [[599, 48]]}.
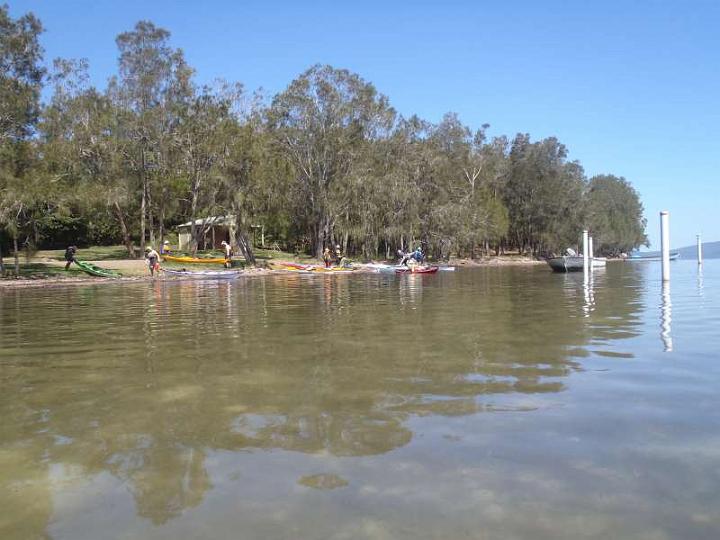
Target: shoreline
{"points": [[136, 271]]}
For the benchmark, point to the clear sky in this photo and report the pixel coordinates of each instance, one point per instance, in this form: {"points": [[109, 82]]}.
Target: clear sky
{"points": [[631, 88]]}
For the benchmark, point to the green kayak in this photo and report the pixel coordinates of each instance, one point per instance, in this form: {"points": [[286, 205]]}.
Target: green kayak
{"points": [[96, 270]]}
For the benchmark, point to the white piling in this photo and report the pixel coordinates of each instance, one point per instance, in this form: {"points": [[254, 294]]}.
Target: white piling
{"points": [[699, 249], [665, 244], [591, 249], [586, 259]]}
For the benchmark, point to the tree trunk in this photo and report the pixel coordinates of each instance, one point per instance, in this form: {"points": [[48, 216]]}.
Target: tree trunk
{"points": [[245, 245], [142, 214], [17, 255], [151, 227], [161, 225], [322, 233], [126, 235], [194, 195]]}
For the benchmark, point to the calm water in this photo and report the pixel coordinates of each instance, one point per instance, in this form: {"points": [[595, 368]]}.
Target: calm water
{"points": [[488, 403]]}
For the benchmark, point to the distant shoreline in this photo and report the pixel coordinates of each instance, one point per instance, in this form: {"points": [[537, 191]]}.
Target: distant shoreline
{"points": [[135, 270]]}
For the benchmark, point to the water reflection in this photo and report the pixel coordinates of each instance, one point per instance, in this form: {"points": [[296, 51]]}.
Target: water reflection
{"points": [[165, 374], [666, 317]]}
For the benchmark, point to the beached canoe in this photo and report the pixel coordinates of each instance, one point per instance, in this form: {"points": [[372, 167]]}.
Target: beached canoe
{"points": [[193, 260], [331, 270], [288, 266], [204, 274], [417, 270], [91, 269]]}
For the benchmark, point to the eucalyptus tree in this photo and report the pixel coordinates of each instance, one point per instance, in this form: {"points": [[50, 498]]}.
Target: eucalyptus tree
{"points": [[84, 141], [21, 79], [206, 125], [153, 77], [543, 195], [614, 215], [320, 123]]}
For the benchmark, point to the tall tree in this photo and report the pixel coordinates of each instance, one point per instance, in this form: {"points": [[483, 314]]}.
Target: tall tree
{"points": [[21, 78], [321, 122], [153, 76], [615, 215]]}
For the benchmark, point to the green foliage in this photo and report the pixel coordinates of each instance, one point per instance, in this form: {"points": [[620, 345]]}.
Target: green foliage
{"points": [[326, 161], [615, 215]]}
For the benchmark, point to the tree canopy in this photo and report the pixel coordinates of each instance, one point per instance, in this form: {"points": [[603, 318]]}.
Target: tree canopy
{"points": [[326, 161]]}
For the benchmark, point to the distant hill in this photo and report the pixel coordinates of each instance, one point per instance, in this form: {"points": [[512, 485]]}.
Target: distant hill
{"points": [[711, 250]]}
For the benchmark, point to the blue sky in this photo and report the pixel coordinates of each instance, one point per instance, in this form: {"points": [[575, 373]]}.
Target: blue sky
{"points": [[631, 88]]}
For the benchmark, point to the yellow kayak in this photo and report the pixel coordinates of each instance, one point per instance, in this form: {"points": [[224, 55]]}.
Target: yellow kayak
{"points": [[217, 260], [331, 269]]}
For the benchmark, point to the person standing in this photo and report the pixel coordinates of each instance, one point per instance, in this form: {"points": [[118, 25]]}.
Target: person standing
{"points": [[152, 257], [227, 250], [338, 255], [327, 257], [70, 253]]}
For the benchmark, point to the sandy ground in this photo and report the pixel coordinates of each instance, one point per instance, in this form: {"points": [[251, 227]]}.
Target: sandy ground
{"points": [[135, 270]]}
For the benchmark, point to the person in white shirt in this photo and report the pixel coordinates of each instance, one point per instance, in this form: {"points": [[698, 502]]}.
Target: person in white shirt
{"points": [[152, 258]]}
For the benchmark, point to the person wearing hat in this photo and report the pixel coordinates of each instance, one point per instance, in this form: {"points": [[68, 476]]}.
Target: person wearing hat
{"points": [[152, 258], [227, 249], [339, 257], [165, 248], [327, 257]]}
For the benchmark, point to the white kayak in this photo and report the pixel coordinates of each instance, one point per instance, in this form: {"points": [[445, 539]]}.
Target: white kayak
{"points": [[204, 274]]}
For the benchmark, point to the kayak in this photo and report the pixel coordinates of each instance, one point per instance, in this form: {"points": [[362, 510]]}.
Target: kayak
{"points": [[418, 270], [296, 267], [96, 270], [331, 270], [194, 260], [288, 266], [204, 274]]}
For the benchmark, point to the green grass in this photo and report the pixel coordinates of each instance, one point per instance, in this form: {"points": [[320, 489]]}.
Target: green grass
{"points": [[93, 253], [42, 271], [111, 253]]}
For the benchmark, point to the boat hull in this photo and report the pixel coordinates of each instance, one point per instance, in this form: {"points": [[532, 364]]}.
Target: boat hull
{"points": [[418, 270], [193, 260], [566, 264], [93, 270], [211, 274]]}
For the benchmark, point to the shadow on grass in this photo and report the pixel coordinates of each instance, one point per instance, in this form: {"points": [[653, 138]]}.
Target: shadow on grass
{"points": [[42, 271]]}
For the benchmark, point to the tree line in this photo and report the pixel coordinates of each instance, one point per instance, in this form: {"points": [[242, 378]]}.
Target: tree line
{"points": [[326, 161]]}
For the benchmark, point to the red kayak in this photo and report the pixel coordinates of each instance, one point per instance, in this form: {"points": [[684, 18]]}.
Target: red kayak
{"points": [[418, 270]]}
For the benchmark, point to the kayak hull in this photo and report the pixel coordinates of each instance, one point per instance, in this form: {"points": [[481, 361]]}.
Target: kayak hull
{"points": [[418, 270], [193, 260], [210, 274], [93, 270]]}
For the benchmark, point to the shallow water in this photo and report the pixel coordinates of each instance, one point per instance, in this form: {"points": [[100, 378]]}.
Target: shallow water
{"points": [[484, 403]]}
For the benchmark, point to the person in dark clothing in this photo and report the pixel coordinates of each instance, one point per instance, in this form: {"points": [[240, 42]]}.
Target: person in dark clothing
{"points": [[70, 253]]}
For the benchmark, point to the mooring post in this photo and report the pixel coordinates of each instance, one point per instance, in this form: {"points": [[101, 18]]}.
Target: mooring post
{"points": [[591, 249], [586, 259], [699, 249], [665, 244]]}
